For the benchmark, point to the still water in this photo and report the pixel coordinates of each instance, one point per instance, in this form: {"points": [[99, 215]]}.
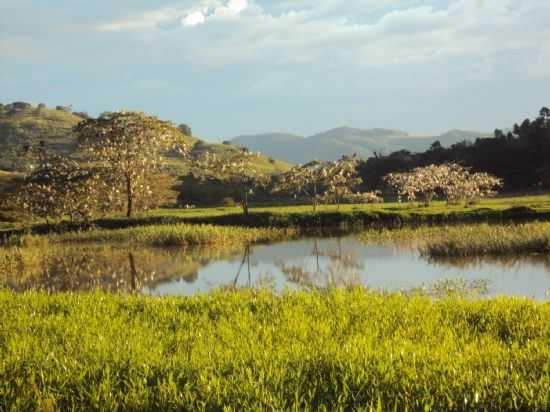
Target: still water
{"points": [[290, 265]]}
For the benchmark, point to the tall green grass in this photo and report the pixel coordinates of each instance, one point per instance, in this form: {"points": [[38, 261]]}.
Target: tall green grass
{"points": [[332, 351], [489, 240], [163, 235]]}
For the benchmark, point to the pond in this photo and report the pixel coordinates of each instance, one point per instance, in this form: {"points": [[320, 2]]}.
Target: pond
{"points": [[291, 265]]}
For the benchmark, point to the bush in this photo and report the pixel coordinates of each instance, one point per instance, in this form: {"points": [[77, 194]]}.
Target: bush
{"points": [[229, 202]]}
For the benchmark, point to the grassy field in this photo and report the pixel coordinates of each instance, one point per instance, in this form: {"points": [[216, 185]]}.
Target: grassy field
{"points": [[337, 350], [523, 208]]}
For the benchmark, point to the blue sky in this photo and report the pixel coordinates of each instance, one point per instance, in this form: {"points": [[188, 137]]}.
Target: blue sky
{"points": [[230, 67]]}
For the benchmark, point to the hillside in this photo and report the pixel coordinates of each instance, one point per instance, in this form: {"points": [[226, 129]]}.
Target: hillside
{"points": [[22, 123], [332, 144]]}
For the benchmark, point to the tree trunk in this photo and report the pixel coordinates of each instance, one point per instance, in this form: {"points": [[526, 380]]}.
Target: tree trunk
{"points": [[244, 202], [133, 272], [314, 197], [130, 198]]}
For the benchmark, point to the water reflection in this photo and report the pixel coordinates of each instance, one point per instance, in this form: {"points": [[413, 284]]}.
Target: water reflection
{"points": [[333, 268], [299, 264]]}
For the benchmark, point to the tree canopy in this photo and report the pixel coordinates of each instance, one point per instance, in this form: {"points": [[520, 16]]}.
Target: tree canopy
{"points": [[128, 147]]}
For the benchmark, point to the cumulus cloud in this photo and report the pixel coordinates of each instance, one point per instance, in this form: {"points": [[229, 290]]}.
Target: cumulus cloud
{"points": [[363, 33], [193, 19], [186, 14]]}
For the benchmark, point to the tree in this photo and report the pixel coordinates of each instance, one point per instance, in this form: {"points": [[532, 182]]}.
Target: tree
{"points": [[129, 145], [56, 186], [340, 178], [452, 181], [305, 180], [185, 129], [421, 181], [460, 184], [235, 168], [330, 182]]}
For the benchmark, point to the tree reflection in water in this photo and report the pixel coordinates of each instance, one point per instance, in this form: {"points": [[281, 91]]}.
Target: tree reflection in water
{"points": [[106, 268], [333, 268]]}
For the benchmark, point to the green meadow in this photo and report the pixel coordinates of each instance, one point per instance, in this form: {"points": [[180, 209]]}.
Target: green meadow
{"points": [[505, 209], [332, 350]]}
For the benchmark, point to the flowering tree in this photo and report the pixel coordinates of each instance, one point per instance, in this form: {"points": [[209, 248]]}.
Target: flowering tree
{"points": [[421, 181], [56, 186], [308, 180], [463, 185], [237, 169], [339, 179], [321, 181], [453, 181], [129, 145]]}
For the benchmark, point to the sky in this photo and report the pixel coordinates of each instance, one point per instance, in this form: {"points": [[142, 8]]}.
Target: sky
{"points": [[232, 67]]}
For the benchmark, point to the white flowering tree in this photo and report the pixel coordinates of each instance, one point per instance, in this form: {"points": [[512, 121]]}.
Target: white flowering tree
{"points": [[307, 180], [129, 147], [464, 186], [236, 168], [328, 182], [454, 182], [339, 179], [56, 186]]}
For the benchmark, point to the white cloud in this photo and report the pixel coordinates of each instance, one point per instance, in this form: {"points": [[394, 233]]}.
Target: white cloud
{"points": [[236, 6], [193, 19], [329, 34]]}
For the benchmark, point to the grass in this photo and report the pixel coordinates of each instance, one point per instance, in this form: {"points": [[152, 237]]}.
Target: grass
{"points": [[337, 350], [162, 236], [490, 240], [513, 209], [469, 241]]}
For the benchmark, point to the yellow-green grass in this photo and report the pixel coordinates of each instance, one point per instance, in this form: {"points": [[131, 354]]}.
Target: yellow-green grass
{"points": [[469, 240], [162, 235], [498, 209], [489, 240], [254, 351], [538, 203]]}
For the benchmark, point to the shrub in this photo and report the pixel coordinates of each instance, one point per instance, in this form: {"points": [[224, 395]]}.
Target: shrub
{"points": [[229, 202]]}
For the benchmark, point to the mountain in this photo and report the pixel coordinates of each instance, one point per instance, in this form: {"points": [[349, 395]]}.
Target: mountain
{"points": [[334, 143]]}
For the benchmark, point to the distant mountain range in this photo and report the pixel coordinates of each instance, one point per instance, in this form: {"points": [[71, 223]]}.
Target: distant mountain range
{"points": [[334, 143]]}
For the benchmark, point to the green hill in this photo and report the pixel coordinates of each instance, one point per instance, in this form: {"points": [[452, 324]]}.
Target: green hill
{"points": [[22, 123]]}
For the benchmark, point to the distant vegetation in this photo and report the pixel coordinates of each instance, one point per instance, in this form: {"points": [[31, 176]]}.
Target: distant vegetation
{"points": [[32, 135], [129, 156], [519, 157]]}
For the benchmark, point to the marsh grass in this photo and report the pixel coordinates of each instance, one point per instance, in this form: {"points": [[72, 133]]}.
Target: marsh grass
{"points": [[331, 351], [163, 236], [490, 240], [468, 241]]}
